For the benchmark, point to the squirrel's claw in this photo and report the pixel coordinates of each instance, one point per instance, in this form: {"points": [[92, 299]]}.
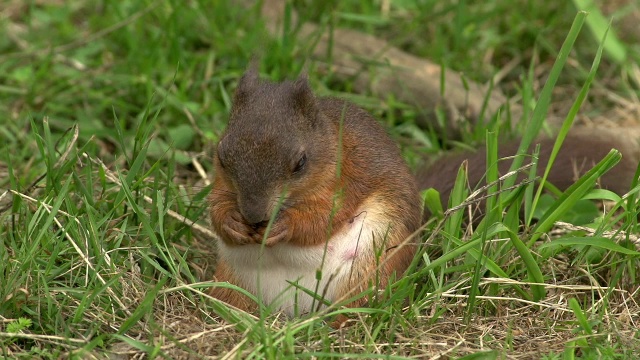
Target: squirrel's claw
{"points": [[235, 237], [236, 231], [279, 233]]}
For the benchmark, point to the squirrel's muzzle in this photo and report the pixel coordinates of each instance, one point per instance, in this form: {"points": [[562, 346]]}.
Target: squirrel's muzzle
{"points": [[256, 210]]}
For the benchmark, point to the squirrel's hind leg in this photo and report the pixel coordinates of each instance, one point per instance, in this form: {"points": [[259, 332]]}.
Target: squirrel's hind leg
{"points": [[230, 296]]}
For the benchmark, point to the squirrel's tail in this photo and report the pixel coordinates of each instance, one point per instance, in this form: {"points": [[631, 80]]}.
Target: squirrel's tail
{"points": [[583, 148]]}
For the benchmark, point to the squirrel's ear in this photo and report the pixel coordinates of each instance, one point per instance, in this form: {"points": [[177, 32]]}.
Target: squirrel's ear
{"points": [[302, 94], [248, 82]]}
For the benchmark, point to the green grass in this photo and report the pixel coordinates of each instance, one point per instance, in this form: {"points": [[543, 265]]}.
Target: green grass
{"points": [[110, 111]]}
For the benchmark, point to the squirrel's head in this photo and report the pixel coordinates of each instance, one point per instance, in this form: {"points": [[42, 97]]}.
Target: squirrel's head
{"points": [[277, 142]]}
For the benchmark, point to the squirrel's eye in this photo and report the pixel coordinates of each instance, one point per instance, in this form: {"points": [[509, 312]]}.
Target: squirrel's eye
{"points": [[300, 164]]}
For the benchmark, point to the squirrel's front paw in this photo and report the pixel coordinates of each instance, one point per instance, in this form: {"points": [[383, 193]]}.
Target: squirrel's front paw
{"points": [[279, 232], [236, 232]]}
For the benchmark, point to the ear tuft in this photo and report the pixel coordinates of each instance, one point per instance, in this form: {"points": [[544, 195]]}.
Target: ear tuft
{"points": [[303, 96], [247, 84]]}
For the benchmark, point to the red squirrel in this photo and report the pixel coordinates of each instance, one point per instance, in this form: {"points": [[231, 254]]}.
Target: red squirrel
{"points": [[340, 198], [343, 198]]}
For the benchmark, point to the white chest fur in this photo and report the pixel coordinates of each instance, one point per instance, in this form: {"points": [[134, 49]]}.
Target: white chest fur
{"points": [[272, 269]]}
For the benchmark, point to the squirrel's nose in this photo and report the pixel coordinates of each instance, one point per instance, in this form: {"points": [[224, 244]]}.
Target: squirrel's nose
{"points": [[254, 215], [254, 219], [255, 209]]}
